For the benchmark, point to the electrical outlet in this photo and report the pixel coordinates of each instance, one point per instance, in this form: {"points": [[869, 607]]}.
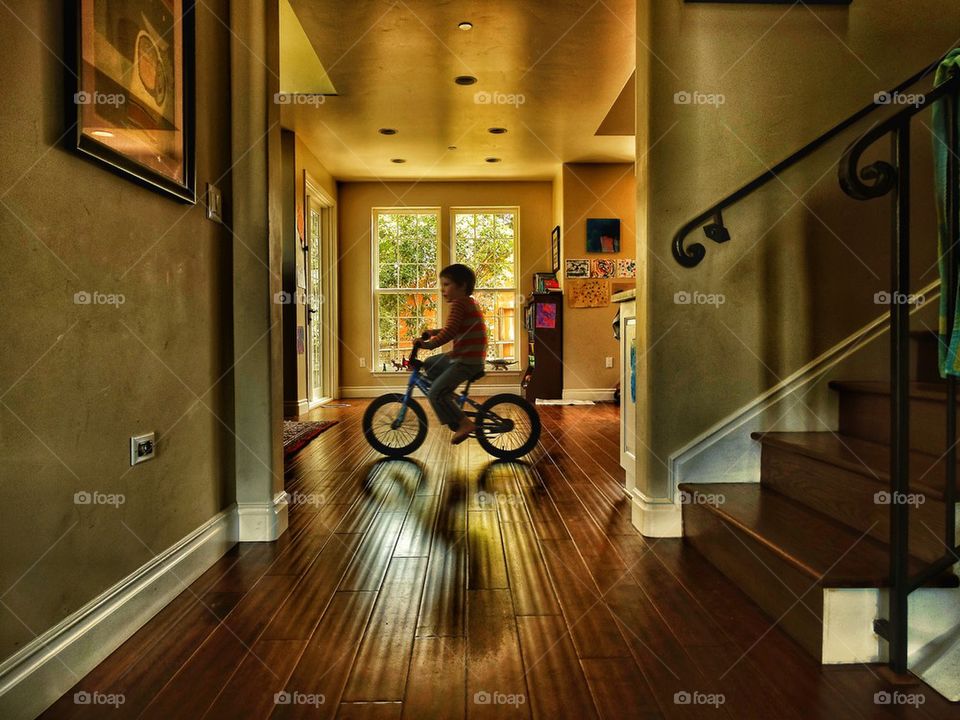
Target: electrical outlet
{"points": [[142, 448], [363, 362], [609, 361]]}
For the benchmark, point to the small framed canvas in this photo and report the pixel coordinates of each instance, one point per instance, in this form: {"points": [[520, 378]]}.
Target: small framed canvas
{"points": [[555, 248], [602, 268], [578, 268], [133, 100], [603, 235], [626, 268]]}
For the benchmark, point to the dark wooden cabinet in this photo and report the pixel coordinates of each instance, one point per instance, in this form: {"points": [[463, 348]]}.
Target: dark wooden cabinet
{"points": [[544, 322]]}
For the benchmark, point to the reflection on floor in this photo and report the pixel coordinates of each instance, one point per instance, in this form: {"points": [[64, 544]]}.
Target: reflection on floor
{"points": [[450, 586]]}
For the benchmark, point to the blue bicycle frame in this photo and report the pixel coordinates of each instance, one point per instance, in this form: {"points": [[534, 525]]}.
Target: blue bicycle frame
{"points": [[418, 380]]}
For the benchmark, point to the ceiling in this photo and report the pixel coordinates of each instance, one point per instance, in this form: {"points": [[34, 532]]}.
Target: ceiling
{"points": [[548, 71]]}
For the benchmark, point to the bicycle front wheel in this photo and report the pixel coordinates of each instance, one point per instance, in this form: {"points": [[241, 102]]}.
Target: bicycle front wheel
{"points": [[508, 426], [389, 435]]}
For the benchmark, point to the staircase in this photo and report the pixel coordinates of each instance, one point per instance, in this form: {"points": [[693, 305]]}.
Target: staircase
{"points": [[808, 543]]}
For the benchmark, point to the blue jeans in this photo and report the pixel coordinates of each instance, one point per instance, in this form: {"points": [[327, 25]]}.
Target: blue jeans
{"points": [[445, 376]]}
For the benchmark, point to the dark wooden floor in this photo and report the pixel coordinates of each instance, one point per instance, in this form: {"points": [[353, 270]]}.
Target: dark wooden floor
{"points": [[420, 588]]}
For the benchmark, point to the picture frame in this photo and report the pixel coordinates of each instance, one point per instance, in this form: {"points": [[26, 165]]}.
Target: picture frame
{"points": [[555, 248], [578, 268], [132, 96], [603, 235]]}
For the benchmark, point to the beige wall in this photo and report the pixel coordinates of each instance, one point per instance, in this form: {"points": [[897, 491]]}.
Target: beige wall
{"points": [[795, 281], [356, 201], [594, 191], [77, 381]]}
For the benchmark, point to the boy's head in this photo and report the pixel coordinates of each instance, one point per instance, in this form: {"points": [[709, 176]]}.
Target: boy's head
{"points": [[461, 276]]}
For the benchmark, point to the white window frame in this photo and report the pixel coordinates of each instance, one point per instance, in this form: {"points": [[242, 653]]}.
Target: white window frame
{"points": [[375, 288], [515, 209]]}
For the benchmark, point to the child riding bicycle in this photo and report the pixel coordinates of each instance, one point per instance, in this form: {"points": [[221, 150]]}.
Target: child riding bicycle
{"points": [[466, 328]]}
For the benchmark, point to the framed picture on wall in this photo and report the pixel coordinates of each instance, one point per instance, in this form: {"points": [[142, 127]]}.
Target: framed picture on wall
{"points": [[134, 95], [603, 235], [555, 248]]}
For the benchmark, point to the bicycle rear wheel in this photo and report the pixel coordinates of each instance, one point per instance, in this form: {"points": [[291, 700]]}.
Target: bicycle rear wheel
{"points": [[508, 426], [388, 436]]}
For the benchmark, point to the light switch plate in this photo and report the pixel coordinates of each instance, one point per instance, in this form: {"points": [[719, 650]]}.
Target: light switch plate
{"points": [[214, 203], [142, 448], [609, 362]]}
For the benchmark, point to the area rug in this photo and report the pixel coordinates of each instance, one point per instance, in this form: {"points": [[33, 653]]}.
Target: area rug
{"points": [[297, 434]]}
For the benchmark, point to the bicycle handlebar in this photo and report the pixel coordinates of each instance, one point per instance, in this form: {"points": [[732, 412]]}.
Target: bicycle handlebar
{"points": [[413, 352]]}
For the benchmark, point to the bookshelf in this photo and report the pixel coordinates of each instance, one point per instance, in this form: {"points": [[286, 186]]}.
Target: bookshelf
{"points": [[543, 318]]}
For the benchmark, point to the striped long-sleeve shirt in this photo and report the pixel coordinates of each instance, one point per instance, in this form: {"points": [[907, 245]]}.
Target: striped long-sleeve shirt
{"points": [[466, 328]]}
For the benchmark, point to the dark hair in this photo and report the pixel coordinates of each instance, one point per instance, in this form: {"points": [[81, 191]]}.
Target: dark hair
{"points": [[461, 275]]}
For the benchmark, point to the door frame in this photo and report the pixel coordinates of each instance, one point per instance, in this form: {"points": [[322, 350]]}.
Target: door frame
{"points": [[322, 200]]}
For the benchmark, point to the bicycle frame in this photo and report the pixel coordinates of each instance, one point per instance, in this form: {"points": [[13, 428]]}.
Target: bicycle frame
{"points": [[419, 380]]}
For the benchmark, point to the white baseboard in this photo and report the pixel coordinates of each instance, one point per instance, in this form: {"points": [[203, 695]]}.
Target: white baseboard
{"points": [[595, 394], [262, 522], [372, 391], [36, 676], [727, 453], [656, 520], [296, 408]]}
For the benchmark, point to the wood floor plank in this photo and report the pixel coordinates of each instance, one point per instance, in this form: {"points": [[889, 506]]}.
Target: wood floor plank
{"points": [[444, 594], [617, 684], [487, 567], [380, 670], [530, 585], [369, 565], [436, 687], [414, 540], [557, 685], [370, 711]]}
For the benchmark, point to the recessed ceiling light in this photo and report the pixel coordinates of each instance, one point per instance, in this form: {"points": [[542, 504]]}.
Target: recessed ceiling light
{"points": [[398, 160], [465, 25], [451, 147], [493, 160], [103, 133], [465, 80], [497, 130], [387, 131]]}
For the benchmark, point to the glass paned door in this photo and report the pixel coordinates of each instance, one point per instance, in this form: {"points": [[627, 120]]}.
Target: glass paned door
{"points": [[314, 316]]}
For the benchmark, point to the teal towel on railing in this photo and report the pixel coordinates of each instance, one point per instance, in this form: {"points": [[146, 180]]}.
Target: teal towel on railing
{"points": [[949, 347]]}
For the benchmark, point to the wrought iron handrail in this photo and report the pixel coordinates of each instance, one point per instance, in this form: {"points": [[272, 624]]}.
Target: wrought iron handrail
{"points": [[873, 181], [711, 219]]}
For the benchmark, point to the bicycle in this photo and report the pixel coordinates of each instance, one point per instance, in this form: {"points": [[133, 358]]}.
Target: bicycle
{"points": [[395, 424]]}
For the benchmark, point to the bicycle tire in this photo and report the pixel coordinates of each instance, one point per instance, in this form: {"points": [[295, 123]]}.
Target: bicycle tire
{"points": [[369, 432], [527, 409]]}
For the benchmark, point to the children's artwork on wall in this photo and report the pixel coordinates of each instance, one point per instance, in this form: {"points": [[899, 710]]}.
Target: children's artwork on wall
{"points": [[546, 316], [589, 293], [602, 268], [578, 268], [603, 235], [626, 268]]}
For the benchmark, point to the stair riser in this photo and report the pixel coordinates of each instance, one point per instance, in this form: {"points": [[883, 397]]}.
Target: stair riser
{"points": [[772, 583], [867, 416], [849, 498]]}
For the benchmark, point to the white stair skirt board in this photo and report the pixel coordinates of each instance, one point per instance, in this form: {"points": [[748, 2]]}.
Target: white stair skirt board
{"points": [[727, 453], [934, 650], [595, 394], [372, 391], [36, 676], [263, 522], [656, 519]]}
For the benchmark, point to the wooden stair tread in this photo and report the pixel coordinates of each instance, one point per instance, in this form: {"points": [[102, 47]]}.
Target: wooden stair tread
{"points": [[935, 391], [831, 554], [870, 459]]}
